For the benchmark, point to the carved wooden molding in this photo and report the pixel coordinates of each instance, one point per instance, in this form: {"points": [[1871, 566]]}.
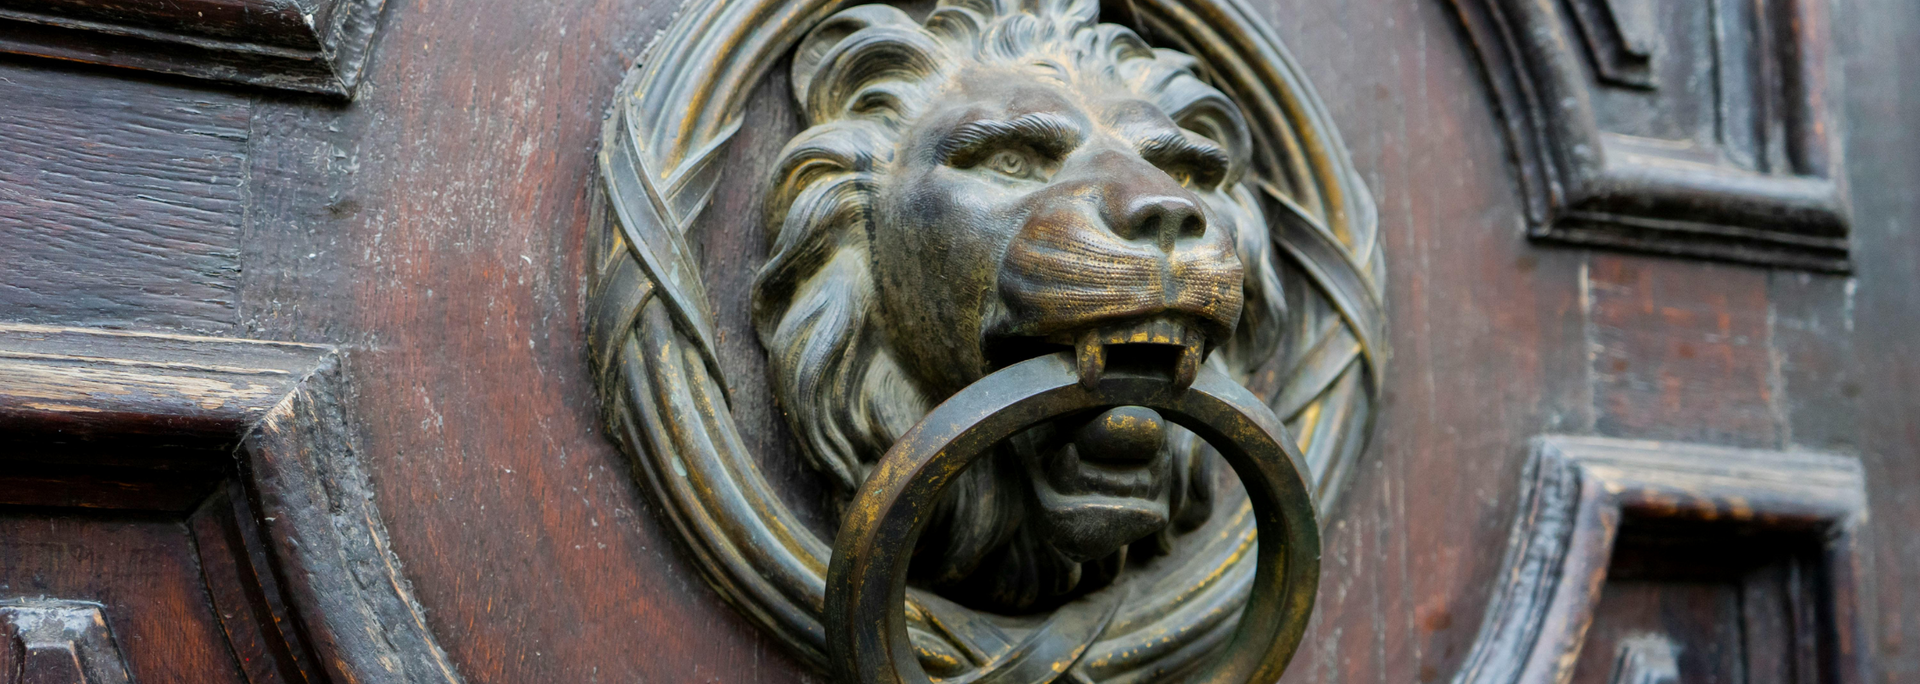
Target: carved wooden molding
{"points": [[1646, 660], [1579, 490], [114, 402], [54, 640], [315, 46], [1766, 187]]}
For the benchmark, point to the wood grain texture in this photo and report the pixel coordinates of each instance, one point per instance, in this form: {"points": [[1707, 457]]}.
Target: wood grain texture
{"points": [[1408, 567], [1475, 312], [1682, 351], [1814, 341], [245, 592], [120, 203], [1704, 616], [143, 568], [1883, 361], [282, 23], [1727, 602], [1721, 146], [71, 384], [357, 610], [315, 46]]}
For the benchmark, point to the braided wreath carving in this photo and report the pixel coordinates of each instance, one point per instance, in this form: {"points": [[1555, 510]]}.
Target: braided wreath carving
{"points": [[662, 384]]}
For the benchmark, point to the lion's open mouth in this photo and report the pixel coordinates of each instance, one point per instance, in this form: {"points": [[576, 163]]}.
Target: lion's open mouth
{"points": [[1159, 345], [1101, 480], [1102, 477]]}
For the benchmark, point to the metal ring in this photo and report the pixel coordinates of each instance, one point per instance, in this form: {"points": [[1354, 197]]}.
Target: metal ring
{"points": [[866, 582]]}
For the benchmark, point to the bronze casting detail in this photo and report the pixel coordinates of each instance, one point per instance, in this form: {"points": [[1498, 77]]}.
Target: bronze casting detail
{"points": [[866, 584], [1029, 278], [991, 185]]}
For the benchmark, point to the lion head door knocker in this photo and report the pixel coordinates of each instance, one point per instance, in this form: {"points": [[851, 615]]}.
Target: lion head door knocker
{"points": [[1030, 279]]}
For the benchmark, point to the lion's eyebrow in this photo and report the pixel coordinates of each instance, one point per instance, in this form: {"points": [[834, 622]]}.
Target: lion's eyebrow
{"points": [[1051, 134], [1179, 148]]}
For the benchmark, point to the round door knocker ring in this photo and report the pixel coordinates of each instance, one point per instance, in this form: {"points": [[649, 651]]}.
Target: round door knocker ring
{"points": [[866, 580]]}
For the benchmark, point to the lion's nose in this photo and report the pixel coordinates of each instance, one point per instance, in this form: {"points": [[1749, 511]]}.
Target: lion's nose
{"points": [[1163, 219], [1144, 203]]}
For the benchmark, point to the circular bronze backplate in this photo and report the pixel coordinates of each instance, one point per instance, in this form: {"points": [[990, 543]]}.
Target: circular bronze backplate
{"points": [[654, 346]]}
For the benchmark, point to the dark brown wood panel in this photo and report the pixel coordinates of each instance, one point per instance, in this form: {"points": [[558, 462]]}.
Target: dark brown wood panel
{"points": [[120, 202], [1703, 129], [1732, 606], [244, 589], [1687, 517], [1486, 334], [1701, 620], [1682, 351], [267, 22], [1814, 337], [248, 443], [143, 569]]}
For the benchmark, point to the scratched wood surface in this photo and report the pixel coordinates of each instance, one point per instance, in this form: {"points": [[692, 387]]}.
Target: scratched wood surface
{"points": [[1735, 611], [262, 21], [122, 202], [435, 229]]}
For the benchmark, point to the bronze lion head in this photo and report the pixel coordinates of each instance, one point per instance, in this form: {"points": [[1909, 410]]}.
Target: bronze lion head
{"points": [[998, 180]]}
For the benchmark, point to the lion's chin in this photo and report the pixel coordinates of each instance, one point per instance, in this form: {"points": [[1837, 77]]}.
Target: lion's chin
{"points": [[1086, 527], [1105, 486]]}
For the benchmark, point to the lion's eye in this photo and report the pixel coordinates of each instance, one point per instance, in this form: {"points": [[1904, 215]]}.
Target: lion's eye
{"points": [[1012, 163]]}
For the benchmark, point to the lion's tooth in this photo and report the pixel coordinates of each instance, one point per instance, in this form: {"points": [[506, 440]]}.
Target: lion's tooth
{"points": [[1188, 367], [1090, 358]]}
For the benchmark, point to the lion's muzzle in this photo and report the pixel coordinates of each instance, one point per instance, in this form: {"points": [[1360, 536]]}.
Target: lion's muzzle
{"points": [[1127, 255]]}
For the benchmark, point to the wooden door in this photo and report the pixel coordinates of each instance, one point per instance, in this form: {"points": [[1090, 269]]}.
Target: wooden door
{"points": [[304, 362]]}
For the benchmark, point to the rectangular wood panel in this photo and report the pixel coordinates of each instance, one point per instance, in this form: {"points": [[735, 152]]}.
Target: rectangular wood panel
{"points": [[120, 203], [1661, 562], [1681, 351]]}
